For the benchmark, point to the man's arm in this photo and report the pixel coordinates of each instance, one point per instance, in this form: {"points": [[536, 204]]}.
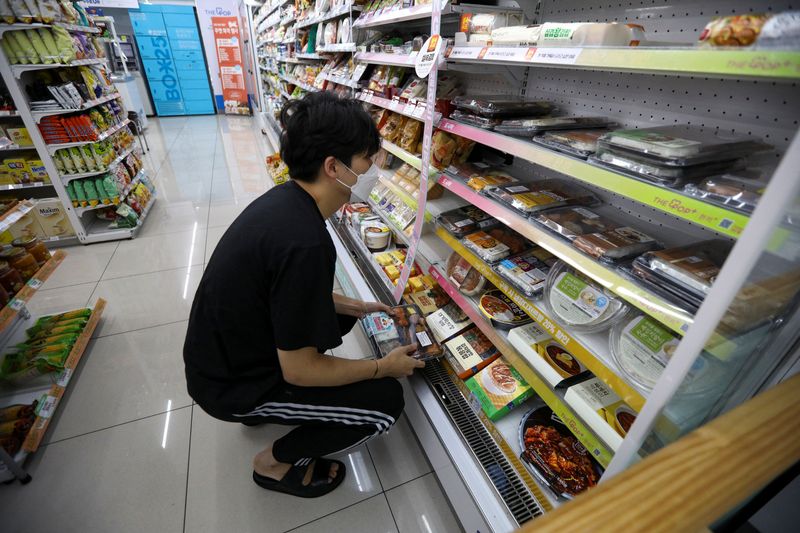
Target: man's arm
{"points": [[357, 308], [308, 368]]}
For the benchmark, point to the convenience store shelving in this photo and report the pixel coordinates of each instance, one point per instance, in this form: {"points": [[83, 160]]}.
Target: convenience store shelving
{"points": [[66, 178], [18, 70], [102, 137], [39, 115]]}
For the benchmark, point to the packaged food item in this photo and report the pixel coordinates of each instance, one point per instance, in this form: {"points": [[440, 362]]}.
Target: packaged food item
{"points": [[53, 218], [427, 300], [494, 106], [780, 31], [537, 196], [534, 126], [479, 175], [474, 120], [554, 455], [616, 244], [462, 221], [20, 260], [33, 246], [730, 190], [682, 145], [734, 30], [555, 34], [642, 347], [412, 329], [466, 278], [411, 135], [527, 271], [578, 302], [572, 222], [498, 388], [470, 352], [10, 279], [552, 361], [447, 322], [516, 35], [17, 411], [501, 310], [689, 269], [668, 175], [606, 414], [377, 236], [486, 247]]}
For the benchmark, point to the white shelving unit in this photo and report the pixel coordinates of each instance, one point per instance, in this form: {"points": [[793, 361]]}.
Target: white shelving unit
{"points": [[741, 90], [87, 230]]}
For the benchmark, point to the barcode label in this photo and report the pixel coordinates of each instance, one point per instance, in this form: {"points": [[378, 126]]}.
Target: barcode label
{"points": [[48, 406], [63, 377], [423, 339]]}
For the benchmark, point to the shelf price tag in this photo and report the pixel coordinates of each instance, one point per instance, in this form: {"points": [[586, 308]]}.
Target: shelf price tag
{"points": [[560, 56], [16, 304], [48, 406], [498, 53], [63, 377], [419, 111], [465, 52], [34, 283]]}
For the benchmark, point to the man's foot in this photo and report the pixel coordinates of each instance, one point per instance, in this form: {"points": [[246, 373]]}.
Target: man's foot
{"points": [[317, 479], [265, 464]]}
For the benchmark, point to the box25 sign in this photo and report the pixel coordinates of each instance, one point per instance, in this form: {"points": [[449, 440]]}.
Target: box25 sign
{"points": [[166, 68]]}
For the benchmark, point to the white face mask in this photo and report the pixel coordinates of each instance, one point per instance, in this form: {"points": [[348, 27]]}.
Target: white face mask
{"points": [[364, 182]]}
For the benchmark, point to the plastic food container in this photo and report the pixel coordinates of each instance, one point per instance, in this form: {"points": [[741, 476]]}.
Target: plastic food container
{"points": [[479, 175], [616, 244], [533, 126], [579, 302], [377, 236], [486, 247], [543, 438], [527, 271], [35, 247], [494, 106], [683, 145], [547, 194], [735, 30], [647, 170], [474, 120], [579, 143], [20, 260], [10, 279], [501, 310], [555, 34], [465, 220], [730, 190], [690, 269], [572, 222], [466, 278]]}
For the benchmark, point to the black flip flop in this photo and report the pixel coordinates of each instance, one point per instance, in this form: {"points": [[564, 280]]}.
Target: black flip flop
{"points": [[292, 482]]}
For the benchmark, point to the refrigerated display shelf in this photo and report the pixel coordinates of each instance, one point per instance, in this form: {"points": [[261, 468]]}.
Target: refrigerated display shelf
{"points": [[368, 268], [39, 115], [339, 47], [592, 350], [10, 312], [34, 25], [103, 136], [780, 65], [668, 314], [396, 60], [673, 202], [328, 15], [411, 109], [393, 16], [340, 80], [407, 157], [601, 451], [53, 397]]}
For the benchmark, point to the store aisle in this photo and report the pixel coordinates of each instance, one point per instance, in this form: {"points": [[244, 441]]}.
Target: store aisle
{"points": [[129, 451]]}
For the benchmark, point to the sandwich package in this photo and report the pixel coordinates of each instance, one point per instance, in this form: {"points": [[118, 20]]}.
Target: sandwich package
{"points": [[495, 244], [498, 388], [464, 276], [462, 221], [572, 222], [404, 326], [730, 190], [493, 106], [480, 175], [470, 352]]}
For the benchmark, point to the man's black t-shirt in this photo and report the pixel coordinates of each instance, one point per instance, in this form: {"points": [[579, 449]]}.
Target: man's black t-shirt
{"points": [[268, 285]]}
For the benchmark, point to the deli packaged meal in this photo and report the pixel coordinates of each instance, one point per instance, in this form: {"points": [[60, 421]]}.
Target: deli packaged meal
{"points": [[495, 106], [404, 326], [464, 276], [498, 388], [605, 413], [548, 357], [486, 247], [580, 303], [427, 300], [554, 455], [666, 175], [683, 145], [781, 31], [572, 222], [616, 244], [534, 126], [447, 322], [470, 352], [642, 347], [730, 190], [501, 310], [480, 175], [692, 268], [527, 271], [464, 220], [545, 194], [734, 30], [580, 143], [474, 120]]}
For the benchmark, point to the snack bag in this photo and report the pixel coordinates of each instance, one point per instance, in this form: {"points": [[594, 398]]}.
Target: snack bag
{"points": [[16, 49], [49, 11], [49, 42], [68, 12], [6, 13], [111, 188], [71, 192], [64, 44], [80, 194], [8, 51], [22, 11], [27, 48], [91, 192], [77, 160]]}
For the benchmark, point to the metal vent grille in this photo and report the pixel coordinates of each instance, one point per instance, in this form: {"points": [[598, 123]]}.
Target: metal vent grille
{"points": [[519, 500]]}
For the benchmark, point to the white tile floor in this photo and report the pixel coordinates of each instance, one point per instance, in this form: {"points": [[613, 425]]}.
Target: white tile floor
{"points": [[128, 451]]}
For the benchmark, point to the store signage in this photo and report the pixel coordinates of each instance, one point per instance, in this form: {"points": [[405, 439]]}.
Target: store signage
{"points": [[227, 41], [428, 56], [166, 69], [126, 4]]}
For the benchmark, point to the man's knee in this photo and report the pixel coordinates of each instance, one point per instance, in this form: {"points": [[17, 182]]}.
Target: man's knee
{"points": [[389, 397]]}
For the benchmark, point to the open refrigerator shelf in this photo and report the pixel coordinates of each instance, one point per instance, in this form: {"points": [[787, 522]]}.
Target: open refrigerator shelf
{"points": [[49, 388]]}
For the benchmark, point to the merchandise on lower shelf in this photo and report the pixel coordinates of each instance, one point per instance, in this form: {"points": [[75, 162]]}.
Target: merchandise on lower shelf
{"points": [[498, 388]]}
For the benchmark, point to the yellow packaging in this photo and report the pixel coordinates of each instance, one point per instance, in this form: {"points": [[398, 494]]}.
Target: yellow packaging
{"points": [[393, 272], [6, 237], [53, 218], [28, 226], [37, 170], [19, 136], [384, 259], [416, 283], [18, 169], [5, 175]]}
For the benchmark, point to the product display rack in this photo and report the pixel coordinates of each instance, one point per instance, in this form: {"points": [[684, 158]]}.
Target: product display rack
{"points": [[86, 231], [667, 81]]}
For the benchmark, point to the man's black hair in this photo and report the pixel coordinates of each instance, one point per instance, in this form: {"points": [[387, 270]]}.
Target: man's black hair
{"points": [[322, 124]]}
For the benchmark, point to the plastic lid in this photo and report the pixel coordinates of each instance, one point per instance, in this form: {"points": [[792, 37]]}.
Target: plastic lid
{"points": [[10, 253]]}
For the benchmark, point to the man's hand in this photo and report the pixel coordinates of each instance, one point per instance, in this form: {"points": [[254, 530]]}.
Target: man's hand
{"points": [[398, 364], [376, 307], [357, 308]]}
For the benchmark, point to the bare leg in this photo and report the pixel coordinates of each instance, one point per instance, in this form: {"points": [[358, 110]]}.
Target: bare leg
{"points": [[265, 464]]}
